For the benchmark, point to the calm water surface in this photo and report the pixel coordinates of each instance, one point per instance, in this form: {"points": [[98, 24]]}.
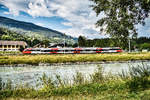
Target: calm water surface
{"points": [[30, 74]]}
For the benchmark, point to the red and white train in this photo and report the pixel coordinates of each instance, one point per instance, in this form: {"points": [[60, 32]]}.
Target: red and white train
{"points": [[71, 50]]}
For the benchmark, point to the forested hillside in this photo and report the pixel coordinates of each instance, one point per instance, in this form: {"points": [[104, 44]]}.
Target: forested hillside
{"points": [[6, 34], [35, 31]]}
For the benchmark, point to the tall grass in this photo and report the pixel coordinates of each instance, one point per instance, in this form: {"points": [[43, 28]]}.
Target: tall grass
{"points": [[5, 85], [47, 83], [134, 85], [98, 75], [64, 58], [78, 79], [1, 84], [139, 77]]}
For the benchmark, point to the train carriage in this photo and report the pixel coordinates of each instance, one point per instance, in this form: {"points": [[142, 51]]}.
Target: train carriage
{"points": [[71, 50]]}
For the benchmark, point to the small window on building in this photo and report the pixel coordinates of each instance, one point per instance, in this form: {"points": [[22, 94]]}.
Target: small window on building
{"points": [[13, 46], [9, 46]]}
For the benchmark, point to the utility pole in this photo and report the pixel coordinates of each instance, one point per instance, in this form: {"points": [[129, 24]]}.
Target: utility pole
{"points": [[129, 45], [64, 41]]}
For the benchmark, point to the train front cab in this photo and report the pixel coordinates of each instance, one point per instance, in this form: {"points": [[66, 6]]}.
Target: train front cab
{"points": [[26, 51]]}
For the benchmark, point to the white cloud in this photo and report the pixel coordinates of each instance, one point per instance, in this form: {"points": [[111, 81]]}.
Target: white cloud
{"points": [[15, 6], [144, 31], [67, 24], [81, 18], [38, 8]]}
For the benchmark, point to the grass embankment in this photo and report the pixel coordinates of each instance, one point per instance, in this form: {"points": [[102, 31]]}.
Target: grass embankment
{"points": [[134, 86], [63, 58], [10, 53]]}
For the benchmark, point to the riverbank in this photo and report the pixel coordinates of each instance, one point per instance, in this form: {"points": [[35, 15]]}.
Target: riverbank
{"points": [[98, 87], [71, 58]]}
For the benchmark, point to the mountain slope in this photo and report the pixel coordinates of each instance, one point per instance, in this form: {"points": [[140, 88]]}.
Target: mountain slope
{"points": [[33, 30], [28, 27]]}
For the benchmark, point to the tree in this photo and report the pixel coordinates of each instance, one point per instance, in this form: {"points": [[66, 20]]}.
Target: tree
{"points": [[6, 37], [82, 41], [75, 45], [34, 42], [121, 16], [145, 46], [45, 42]]}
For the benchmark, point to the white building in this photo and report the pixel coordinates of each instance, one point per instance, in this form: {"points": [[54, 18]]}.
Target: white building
{"points": [[12, 45]]}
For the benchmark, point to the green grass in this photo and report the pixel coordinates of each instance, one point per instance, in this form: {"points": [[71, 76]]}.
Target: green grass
{"points": [[64, 58], [134, 86], [10, 52]]}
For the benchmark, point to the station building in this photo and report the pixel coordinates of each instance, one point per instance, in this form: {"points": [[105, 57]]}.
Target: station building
{"points": [[12, 45]]}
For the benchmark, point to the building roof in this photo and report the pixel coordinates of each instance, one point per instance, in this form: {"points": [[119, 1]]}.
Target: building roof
{"points": [[13, 43]]}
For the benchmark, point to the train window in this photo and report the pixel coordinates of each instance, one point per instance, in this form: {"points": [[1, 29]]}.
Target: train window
{"points": [[60, 50], [46, 50], [114, 49], [87, 50], [31, 50], [67, 50], [105, 49], [49, 50], [91, 50], [35, 50], [78, 50], [102, 49], [99, 50], [54, 50], [72, 50]]}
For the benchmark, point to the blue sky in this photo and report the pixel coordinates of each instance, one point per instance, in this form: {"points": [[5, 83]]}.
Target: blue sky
{"points": [[73, 17]]}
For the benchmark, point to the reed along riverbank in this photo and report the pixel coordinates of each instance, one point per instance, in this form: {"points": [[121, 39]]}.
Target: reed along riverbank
{"points": [[134, 85], [71, 58]]}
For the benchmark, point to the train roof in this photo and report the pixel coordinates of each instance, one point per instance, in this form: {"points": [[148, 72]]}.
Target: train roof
{"points": [[84, 48]]}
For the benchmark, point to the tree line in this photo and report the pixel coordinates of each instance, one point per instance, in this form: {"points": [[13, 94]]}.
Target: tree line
{"points": [[136, 43]]}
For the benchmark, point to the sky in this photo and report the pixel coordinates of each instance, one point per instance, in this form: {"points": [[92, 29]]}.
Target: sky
{"points": [[72, 17]]}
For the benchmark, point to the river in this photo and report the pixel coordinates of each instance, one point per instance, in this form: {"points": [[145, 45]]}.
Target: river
{"points": [[30, 74]]}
